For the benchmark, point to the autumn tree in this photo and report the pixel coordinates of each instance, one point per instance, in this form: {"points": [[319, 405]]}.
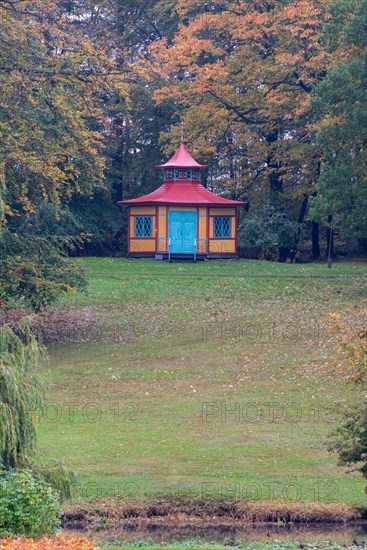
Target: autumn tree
{"points": [[52, 125], [349, 440], [243, 74], [132, 148], [50, 79]]}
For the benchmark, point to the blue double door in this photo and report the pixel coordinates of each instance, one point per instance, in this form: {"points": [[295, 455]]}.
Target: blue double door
{"points": [[182, 231]]}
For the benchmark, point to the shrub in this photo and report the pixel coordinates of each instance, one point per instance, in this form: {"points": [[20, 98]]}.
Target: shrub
{"points": [[35, 270], [349, 440], [267, 229], [28, 505]]}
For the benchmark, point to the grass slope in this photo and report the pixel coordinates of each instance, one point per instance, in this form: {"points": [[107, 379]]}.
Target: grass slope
{"points": [[213, 378]]}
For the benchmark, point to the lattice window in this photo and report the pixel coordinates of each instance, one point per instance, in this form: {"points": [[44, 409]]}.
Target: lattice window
{"points": [[183, 174], [222, 227], [143, 226], [169, 174]]}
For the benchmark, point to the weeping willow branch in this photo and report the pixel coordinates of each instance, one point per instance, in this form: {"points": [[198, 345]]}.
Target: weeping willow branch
{"points": [[21, 394], [22, 398]]}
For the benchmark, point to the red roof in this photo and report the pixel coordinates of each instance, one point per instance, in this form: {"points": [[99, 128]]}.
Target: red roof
{"points": [[181, 159], [182, 192]]}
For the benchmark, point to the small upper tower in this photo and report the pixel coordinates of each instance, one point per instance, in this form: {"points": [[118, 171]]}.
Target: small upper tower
{"points": [[182, 167]]}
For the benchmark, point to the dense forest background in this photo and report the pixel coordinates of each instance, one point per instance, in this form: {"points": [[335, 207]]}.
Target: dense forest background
{"points": [[271, 93]]}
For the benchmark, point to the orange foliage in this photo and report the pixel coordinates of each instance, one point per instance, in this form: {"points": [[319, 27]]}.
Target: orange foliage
{"points": [[61, 542], [251, 70], [352, 345], [53, 78]]}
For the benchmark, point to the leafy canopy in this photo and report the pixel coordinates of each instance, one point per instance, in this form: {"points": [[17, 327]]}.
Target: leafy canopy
{"points": [[341, 103]]}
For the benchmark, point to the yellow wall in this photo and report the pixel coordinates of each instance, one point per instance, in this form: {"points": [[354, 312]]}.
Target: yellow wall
{"points": [[202, 223], [222, 211], [192, 208], [219, 246], [142, 245], [162, 213], [142, 210], [162, 229]]}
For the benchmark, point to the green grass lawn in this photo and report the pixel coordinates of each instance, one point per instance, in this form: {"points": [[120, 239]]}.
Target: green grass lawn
{"points": [[257, 546], [213, 378], [279, 545]]}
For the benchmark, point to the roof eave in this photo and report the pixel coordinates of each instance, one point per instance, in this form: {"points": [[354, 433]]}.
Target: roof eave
{"points": [[180, 167], [183, 203]]}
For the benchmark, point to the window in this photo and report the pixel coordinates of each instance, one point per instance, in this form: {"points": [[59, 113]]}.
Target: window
{"points": [[183, 174], [169, 174], [222, 227], [143, 226]]}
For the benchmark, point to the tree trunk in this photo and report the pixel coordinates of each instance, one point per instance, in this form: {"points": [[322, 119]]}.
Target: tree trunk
{"points": [[283, 253], [330, 241], [362, 247], [302, 212], [315, 241], [275, 180], [301, 218]]}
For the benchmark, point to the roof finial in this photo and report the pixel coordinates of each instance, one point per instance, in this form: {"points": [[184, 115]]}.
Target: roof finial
{"points": [[182, 131]]}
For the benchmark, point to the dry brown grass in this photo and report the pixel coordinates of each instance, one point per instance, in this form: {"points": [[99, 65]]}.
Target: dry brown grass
{"points": [[187, 511]]}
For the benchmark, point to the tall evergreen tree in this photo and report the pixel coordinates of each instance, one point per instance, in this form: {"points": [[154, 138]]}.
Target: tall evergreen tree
{"points": [[341, 102]]}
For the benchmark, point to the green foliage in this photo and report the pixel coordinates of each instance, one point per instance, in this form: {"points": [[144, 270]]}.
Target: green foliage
{"points": [[21, 404], [341, 106], [28, 505], [268, 228], [38, 274], [57, 474], [34, 268], [103, 221], [349, 440], [49, 220], [21, 394], [55, 78], [347, 23]]}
